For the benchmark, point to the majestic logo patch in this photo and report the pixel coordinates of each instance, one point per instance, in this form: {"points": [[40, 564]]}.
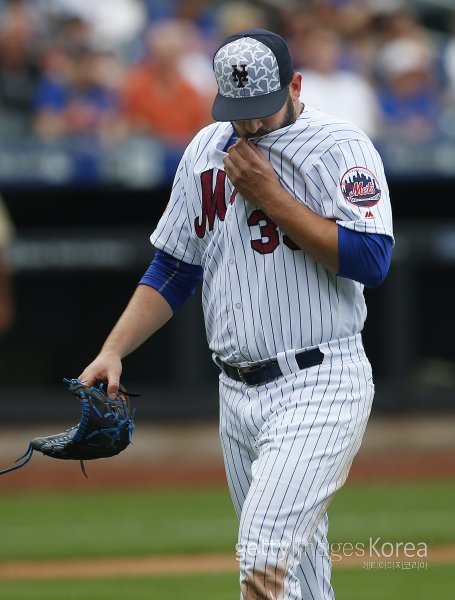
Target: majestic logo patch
{"points": [[360, 187], [240, 77]]}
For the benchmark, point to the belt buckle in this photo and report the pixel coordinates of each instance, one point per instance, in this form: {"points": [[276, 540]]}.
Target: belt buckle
{"points": [[242, 378], [252, 368], [241, 373], [242, 370]]}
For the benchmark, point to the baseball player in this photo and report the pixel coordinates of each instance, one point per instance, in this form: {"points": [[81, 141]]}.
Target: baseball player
{"points": [[283, 213]]}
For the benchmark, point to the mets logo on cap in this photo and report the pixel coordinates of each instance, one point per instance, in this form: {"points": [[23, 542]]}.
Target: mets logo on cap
{"points": [[360, 187]]}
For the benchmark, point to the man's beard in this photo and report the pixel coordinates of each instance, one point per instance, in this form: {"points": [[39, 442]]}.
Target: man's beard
{"points": [[289, 118]]}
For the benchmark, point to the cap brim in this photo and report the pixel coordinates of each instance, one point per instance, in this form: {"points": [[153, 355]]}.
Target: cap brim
{"points": [[252, 107]]}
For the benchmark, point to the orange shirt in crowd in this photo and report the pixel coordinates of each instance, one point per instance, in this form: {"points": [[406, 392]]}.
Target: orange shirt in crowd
{"points": [[164, 104]]}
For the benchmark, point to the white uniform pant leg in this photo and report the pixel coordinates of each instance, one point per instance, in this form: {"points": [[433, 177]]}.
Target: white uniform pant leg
{"points": [[315, 568], [295, 438], [237, 444]]}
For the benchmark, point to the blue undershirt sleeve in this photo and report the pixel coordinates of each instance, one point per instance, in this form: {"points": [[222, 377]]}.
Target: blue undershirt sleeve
{"points": [[174, 279], [364, 257]]}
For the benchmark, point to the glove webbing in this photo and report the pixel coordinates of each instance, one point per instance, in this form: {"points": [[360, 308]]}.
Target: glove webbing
{"points": [[81, 427], [104, 431]]}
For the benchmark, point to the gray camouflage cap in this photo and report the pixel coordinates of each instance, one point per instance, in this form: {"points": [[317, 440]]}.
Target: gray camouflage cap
{"points": [[253, 69]]}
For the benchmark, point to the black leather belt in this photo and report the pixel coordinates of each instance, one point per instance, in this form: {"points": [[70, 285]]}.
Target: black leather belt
{"points": [[263, 372]]}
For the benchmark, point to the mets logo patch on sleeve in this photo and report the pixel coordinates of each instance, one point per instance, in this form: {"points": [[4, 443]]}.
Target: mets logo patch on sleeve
{"points": [[360, 187]]}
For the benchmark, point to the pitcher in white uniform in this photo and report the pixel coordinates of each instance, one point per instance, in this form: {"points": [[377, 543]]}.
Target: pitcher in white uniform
{"points": [[284, 215]]}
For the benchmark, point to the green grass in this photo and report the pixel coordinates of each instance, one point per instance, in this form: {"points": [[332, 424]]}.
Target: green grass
{"points": [[358, 584], [46, 525], [190, 587], [64, 525], [436, 582], [411, 512]]}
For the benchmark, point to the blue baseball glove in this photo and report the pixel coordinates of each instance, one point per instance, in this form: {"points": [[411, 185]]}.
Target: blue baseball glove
{"points": [[105, 429]]}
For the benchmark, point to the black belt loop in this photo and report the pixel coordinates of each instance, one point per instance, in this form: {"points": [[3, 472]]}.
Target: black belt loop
{"points": [[264, 372]]}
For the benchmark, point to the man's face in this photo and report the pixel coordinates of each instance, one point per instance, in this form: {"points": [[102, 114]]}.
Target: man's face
{"points": [[254, 128]]}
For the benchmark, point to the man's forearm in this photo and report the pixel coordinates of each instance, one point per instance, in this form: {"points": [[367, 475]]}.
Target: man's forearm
{"points": [[146, 312], [312, 233]]}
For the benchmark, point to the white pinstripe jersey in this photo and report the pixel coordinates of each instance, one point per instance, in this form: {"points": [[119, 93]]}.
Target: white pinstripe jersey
{"points": [[261, 294]]}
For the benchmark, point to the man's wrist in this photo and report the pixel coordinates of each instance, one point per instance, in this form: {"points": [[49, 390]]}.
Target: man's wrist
{"points": [[275, 201], [110, 352]]}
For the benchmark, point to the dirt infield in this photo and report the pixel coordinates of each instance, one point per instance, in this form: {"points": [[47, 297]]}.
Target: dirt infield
{"points": [[173, 565], [394, 449], [47, 474]]}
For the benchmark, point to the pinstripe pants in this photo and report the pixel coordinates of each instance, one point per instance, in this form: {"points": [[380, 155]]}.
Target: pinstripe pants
{"points": [[288, 446]]}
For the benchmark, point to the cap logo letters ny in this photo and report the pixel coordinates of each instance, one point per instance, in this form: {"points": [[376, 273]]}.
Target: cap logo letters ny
{"points": [[239, 76]]}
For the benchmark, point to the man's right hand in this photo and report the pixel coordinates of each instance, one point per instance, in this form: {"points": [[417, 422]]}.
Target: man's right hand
{"points": [[106, 367]]}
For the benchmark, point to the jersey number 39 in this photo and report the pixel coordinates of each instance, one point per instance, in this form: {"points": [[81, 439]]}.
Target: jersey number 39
{"points": [[214, 205]]}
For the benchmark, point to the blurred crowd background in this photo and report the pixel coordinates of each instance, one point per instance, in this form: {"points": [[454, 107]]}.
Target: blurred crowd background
{"points": [[112, 68], [98, 98]]}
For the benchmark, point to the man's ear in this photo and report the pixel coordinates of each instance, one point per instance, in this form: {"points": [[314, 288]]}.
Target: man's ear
{"points": [[295, 86]]}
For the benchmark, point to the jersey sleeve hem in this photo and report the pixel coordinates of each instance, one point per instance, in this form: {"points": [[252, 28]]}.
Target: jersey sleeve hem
{"points": [[175, 251], [361, 226]]}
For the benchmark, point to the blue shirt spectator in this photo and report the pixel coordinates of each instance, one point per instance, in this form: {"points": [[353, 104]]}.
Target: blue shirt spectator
{"points": [[409, 96]]}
